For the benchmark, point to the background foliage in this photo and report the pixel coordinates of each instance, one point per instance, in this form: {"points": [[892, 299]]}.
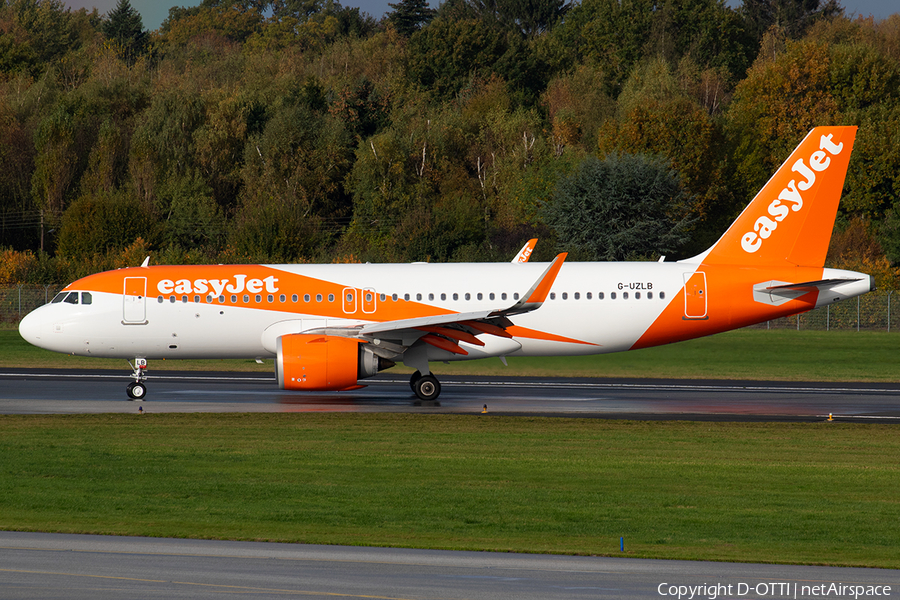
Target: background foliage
{"points": [[301, 130]]}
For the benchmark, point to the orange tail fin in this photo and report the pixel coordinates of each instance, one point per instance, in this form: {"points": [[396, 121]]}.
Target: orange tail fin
{"points": [[789, 222]]}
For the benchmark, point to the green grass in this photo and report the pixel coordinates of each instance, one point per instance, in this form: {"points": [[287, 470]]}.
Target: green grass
{"points": [[822, 493], [784, 355]]}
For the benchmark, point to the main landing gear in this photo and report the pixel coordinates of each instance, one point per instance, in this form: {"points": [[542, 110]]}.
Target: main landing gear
{"points": [[137, 389], [426, 387]]}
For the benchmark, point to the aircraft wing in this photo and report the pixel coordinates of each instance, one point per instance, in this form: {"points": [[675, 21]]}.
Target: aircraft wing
{"points": [[445, 331]]}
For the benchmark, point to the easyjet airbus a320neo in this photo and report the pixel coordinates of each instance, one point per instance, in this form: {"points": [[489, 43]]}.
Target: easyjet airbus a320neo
{"points": [[328, 326]]}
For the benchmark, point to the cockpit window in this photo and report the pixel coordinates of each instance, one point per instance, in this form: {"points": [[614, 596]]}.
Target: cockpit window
{"points": [[72, 298], [86, 298], [59, 297]]}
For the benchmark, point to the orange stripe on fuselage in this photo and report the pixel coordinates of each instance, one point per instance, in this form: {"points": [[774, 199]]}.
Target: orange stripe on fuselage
{"points": [[253, 280], [730, 303], [534, 334]]}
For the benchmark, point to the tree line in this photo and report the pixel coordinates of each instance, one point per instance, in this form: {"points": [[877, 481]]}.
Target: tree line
{"points": [[306, 131]]}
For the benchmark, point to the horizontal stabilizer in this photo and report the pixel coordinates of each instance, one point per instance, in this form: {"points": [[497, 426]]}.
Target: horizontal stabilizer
{"points": [[777, 293], [808, 286]]}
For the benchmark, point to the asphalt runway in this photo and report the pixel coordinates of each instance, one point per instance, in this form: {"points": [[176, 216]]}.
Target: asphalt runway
{"points": [[24, 391], [88, 567]]}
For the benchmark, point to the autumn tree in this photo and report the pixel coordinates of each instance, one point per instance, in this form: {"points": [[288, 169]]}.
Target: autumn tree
{"points": [[658, 116], [103, 221], [775, 106], [35, 34]]}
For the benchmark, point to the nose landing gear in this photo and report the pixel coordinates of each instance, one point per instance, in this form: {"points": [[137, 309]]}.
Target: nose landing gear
{"points": [[137, 389]]}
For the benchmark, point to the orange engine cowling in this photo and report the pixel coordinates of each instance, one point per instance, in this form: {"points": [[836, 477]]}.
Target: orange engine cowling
{"points": [[323, 362]]}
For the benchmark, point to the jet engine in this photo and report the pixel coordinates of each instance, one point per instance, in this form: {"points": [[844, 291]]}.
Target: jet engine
{"points": [[324, 362]]}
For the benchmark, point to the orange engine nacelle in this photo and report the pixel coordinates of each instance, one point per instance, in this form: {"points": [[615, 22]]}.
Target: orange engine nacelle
{"points": [[323, 362]]}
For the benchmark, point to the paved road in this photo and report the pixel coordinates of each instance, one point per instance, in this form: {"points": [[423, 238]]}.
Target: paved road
{"points": [[47, 391], [75, 567]]}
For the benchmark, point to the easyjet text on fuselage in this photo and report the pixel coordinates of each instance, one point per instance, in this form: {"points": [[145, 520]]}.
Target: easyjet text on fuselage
{"points": [[218, 286]]}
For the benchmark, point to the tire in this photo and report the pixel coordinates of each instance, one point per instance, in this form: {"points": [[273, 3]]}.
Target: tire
{"points": [[413, 379], [427, 388], [136, 391]]}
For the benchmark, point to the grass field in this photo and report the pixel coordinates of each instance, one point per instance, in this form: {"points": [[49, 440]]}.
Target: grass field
{"points": [[783, 355], [822, 493]]}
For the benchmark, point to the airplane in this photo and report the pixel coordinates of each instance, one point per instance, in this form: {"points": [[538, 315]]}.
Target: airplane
{"points": [[330, 326]]}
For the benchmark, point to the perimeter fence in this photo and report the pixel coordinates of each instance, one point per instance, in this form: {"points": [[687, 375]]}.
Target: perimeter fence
{"points": [[18, 300], [875, 311]]}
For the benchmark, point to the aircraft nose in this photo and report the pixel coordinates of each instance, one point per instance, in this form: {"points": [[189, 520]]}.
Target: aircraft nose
{"points": [[30, 328]]}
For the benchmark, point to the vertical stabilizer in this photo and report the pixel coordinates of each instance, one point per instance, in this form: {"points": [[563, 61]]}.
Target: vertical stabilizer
{"points": [[789, 222]]}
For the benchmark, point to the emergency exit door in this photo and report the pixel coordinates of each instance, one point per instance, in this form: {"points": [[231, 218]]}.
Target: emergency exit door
{"points": [[695, 296]]}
